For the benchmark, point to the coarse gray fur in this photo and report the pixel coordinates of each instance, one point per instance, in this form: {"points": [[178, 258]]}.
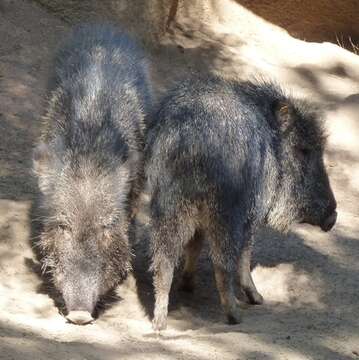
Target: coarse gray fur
{"points": [[223, 158], [89, 161]]}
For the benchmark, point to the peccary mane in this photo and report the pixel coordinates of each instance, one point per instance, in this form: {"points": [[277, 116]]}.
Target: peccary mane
{"points": [[86, 118], [305, 117], [98, 70], [92, 45]]}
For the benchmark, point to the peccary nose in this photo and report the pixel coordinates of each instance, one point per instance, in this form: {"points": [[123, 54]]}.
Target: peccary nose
{"points": [[329, 222], [80, 304], [79, 317]]}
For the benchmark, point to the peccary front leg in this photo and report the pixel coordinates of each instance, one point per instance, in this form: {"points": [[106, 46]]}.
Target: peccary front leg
{"points": [[245, 277], [192, 252]]}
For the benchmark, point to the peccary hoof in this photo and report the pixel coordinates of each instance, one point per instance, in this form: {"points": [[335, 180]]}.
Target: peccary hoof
{"points": [[159, 323], [79, 317], [234, 314], [233, 320], [254, 298]]}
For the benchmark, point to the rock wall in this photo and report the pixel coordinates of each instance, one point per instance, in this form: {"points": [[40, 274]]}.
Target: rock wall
{"points": [[312, 20]]}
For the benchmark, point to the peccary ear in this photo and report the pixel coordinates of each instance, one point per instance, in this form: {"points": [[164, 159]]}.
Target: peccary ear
{"points": [[42, 165], [46, 157], [284, 114], [46, 164], [41, 158]]}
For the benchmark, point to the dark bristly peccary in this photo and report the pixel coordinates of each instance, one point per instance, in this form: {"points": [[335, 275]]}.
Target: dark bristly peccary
{"points": [[224, 158], [89, 163]]}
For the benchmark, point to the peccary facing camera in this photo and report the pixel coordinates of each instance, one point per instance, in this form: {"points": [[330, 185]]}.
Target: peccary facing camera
{"points": [[89, 163], [222, 159]]}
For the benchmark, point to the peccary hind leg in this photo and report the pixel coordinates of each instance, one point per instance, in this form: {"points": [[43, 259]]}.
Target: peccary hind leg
{"points": [[245, 277], [224, 253], [167, 239]]}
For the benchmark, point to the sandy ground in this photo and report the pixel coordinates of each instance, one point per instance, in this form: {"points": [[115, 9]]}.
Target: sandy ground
{"points": [[309, 279]]}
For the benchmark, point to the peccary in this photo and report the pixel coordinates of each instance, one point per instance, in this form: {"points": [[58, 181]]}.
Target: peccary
{"points": [[223, 158], [89, 163]]}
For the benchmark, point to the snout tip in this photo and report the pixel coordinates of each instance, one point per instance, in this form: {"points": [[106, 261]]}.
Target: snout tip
{"points": [[79, 317], [329, 222]]}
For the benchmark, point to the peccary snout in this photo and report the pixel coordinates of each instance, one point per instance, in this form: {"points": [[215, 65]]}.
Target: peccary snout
{"points": [[79, 317], [329, 222], [80, 302], [331, 215]]}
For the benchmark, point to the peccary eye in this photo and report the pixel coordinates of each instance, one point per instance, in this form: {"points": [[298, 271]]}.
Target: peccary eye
{"points": [[63, 227], [106, 229], [305, 152]]}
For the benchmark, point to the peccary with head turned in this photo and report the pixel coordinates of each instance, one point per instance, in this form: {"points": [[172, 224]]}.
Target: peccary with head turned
{"points": [[223, 158], [89, 163]]}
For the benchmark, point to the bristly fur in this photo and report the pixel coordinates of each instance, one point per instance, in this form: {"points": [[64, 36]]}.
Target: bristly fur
{"points": [[223, 157], [89, 160]]}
